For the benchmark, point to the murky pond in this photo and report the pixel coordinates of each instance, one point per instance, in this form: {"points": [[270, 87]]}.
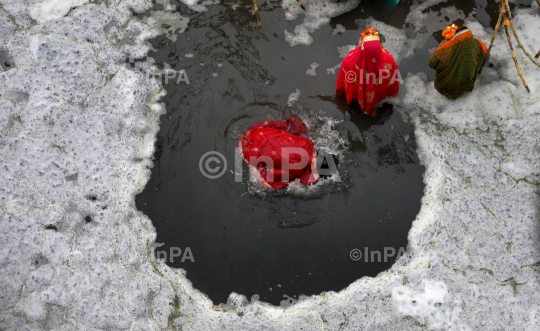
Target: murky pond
{"points": [[287, 243]]}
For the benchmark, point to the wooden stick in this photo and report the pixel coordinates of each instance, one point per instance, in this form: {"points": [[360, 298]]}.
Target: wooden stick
{"points": [[508, 13], [116, 7], [256, 12], [517, 38], [514, 57], [538, 54], [302, 6], [501, 10], [521, 45], [497, 26]]}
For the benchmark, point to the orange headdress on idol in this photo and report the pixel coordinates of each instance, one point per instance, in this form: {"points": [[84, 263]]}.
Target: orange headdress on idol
{"points": [[369, 32], [450, 32]]}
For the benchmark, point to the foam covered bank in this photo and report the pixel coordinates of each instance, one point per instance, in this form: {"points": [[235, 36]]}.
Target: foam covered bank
{"points": [[77, 132]]}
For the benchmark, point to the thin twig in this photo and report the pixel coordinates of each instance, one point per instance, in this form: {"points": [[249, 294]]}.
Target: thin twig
{"points": [[508, 12], [118, 4], [517, 38], [501, 10], [538, 55], [521, 45], [497, 26], [256, 12], [514, 56]]}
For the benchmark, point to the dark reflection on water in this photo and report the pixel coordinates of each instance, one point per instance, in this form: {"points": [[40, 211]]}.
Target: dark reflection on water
{"points": [[274, 244]]}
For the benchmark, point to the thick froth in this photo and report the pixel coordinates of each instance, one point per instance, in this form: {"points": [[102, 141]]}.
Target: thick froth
{"points": [[317, 14]]}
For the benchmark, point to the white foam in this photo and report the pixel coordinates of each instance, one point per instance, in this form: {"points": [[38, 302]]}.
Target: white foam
{"points": [[312, 70], [338, 30], [432, 306], [52, 10], [396, 39], [293, 97], [333, 70], [492, 102], [167, 5], [317, 14], [175, 22], [344, 50], [195, 5]]}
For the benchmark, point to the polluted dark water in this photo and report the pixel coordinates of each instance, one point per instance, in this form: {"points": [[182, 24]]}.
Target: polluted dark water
{"points": [[278, 245]]}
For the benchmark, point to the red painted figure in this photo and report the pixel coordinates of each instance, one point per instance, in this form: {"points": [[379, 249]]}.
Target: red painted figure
{"points": [[280, 153]]}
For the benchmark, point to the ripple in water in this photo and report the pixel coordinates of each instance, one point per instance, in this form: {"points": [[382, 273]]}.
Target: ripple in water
{"points": [[278, 244]]}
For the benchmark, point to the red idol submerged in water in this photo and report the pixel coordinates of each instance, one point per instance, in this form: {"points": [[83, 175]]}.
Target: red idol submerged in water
{"points": [[280, 153]]}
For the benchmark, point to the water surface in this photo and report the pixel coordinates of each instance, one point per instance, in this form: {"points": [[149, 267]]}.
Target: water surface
{"points": [[281, 243]]}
